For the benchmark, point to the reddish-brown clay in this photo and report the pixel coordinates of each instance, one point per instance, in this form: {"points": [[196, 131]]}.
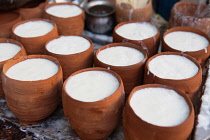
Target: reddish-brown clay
{"points": [[189, 86], [183, 13], [8, 20], [125, 13], [73, 62], [201, 56], [22, 52], [132, 75], [94, 120], [32, 13], [67, 26], [32, 101], [151, 44], [137, 129], [35, 45]]}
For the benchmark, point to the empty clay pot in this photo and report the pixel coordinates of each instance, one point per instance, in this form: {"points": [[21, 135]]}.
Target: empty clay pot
{"points": [[132, 75], [189, 86], [94, 120], [125, 12], [32, 101], [73, 62], [151, 44], [137, 129], [67, 26], [187, 13], [22, 52], [8, 20], [201, 55], [35, 45]]}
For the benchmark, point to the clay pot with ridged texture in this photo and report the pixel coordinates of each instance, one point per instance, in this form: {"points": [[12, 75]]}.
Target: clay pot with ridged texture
{"points": [[186, 13], [32, 101], [22, 52], [201, 55], [132, 75], [70, 25], [135, 128], [189, 86], [151, 44], [73, 62], [35, 45], [94, 120], [8, 20]]}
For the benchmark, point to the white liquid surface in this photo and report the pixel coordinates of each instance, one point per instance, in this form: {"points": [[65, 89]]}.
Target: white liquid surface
{"points": [[68, 45], [186, 41], [137, 31], [160, 106], [120, 56], [8, 51], [32, 70], [64, 11], [91, 86], [33, 28], [173, 67]]}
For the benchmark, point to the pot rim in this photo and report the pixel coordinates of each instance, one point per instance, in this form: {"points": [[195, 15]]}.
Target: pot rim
{"points": [[94, 69], [13, 12], [190, 105]]}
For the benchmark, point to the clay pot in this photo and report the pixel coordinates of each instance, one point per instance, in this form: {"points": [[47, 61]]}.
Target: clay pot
{"points": [[151, 44], [32, 13], [137, 129], [22, 52], [8, 20], [73, 62], [67, 26], [184, 13], [125, 12], [32, 101], [201, 55], [189, 86], [131, 75], [94, 120], [35, 45]]}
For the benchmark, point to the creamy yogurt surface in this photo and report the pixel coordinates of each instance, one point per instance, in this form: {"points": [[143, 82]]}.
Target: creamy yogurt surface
{"points": [[8, 51]]}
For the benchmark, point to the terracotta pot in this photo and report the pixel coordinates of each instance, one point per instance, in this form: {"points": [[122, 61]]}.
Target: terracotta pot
{"points": [[151, 44], [32, 101], [73, 62], [32, 13], [131, 75], [35, 45], [67, 26], [8, 20], [125, 12], [137, 129], [22, 52], [201, 55], [94, 120], [184, 13], [189, 86]]}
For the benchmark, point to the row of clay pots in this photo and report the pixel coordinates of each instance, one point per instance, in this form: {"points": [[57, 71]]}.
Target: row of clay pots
{"points": [[66, 26]]}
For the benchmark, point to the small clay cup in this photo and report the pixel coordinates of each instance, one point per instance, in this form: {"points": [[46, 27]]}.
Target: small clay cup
{"points": [[184, 13], [127, 13], [67, 26], [94, 120], [131, 75], [151, 44], [137, 129], [22, 52], [35, 45], [73, 62], [8, 20], [201, 55], [32, 101], [189, 86]]}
